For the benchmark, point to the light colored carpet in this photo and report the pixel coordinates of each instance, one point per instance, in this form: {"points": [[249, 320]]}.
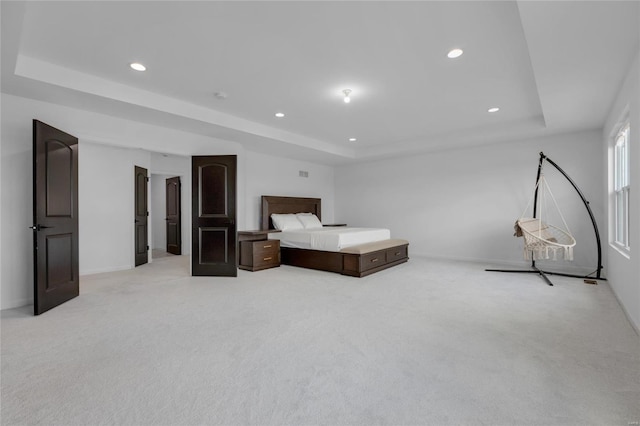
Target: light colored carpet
{"points": [[158, 253], [427, 342]]}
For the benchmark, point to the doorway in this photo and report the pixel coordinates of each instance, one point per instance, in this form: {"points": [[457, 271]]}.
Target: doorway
{"points": [[166, 215]]}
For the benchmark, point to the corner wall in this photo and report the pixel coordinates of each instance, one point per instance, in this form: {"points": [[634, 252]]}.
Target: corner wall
{"points": [[462, 204], [624, 268]]}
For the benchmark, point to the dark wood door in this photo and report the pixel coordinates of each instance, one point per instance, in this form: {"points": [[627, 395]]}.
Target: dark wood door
{"points": [[174, 236], [141, 216], [214, 216], [55, 217]]}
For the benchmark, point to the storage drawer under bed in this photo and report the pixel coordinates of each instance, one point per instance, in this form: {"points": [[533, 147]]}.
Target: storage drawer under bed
{"points": [[366, 263]]}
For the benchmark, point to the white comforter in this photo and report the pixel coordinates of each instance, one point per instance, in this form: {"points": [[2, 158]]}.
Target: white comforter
{"points": [[329, 238]]}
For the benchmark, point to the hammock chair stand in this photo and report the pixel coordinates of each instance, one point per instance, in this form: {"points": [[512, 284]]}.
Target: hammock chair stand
{"points": [[534, 269]]}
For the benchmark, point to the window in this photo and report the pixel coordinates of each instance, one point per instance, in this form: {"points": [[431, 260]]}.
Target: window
{"points": [[621, 187]]}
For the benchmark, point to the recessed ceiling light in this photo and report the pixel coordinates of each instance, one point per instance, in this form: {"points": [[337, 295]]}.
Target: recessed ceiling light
{"points": [[454, 53], [279, 114], [221, 95], [494, 109], [138, 66], [352, 139]]}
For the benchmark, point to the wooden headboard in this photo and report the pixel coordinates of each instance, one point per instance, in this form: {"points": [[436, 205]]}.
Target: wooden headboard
{"points": [[280, 205]]}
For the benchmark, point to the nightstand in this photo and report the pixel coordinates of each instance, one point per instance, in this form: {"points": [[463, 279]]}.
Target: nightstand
{"points": [[257, 252]]}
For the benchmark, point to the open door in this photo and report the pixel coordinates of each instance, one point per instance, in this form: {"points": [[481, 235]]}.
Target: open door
{"points": [[55, 217], [214, 216], [174, 236], [141, 216]]}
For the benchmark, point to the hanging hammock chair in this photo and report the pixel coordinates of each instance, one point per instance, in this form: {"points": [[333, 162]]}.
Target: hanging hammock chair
{"points": [[541, 240], [544, 241]]}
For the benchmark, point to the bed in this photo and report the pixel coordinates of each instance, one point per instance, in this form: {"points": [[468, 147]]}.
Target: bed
{"points": [[354, 259]]}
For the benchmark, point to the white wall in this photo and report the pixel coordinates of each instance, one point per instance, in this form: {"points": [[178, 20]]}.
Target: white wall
{"points": [[269, 175], [109, 147], [106, 206], [462, 204], [17, 209], [624, 268], [1, 161]]}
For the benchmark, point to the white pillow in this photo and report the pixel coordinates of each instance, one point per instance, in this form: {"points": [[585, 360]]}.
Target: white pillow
{"points": [[286, 222], [309, 220]]}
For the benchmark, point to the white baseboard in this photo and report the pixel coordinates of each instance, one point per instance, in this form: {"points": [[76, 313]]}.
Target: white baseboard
{"points": [[103, 270], [16, 303], [24, 302], [636, 327]]}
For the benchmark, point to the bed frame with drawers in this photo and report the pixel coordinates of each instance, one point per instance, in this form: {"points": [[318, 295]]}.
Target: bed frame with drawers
{"points": [[357, 261]]}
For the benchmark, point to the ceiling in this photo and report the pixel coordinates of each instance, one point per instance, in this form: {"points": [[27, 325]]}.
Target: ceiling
{"points": [[551, 67]]}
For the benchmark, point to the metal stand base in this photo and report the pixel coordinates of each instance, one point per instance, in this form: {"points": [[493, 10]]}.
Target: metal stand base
{"points": [[544, 274]]}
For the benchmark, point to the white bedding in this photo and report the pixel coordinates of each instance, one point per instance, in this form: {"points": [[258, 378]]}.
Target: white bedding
{"points": [[329, 238]]}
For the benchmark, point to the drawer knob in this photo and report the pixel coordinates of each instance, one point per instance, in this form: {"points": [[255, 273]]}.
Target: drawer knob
{"points": [[267, 258], [374, 260], [397, 253], [269, 246]]}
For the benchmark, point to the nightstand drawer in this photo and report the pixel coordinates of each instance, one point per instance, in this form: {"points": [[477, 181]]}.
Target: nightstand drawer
{"points": [[266, 261], [265, 246], [257, 255]]}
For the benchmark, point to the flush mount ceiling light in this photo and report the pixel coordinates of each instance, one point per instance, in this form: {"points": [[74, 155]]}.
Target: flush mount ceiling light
{"points": [[279, 114], [494, 109], [138, 66], [347, 95], [352, 139], [454, 53]]}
